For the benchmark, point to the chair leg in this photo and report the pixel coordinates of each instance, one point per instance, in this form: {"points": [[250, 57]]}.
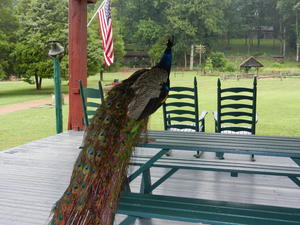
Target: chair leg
{"points": [[83, 139], [198, 154], [220, 155], [252, 158], [169, 153], [129, 220]]}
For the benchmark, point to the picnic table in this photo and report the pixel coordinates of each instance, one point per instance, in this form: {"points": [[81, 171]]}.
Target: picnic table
{"points": [[148, 205]]}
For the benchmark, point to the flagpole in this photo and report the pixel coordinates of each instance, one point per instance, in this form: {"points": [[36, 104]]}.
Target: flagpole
{"points": [[101, 5]]}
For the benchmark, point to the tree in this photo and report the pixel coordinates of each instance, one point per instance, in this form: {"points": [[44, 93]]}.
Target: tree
{"points": [[195, 21], [146, 24], [8, 27], [297, 11], [147, 32], [233, 20], [95, 59], [289, 10], [137, 16], [40, 22]]}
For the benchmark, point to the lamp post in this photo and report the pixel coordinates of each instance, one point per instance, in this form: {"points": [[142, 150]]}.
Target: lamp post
{"points": [[55, 51]]}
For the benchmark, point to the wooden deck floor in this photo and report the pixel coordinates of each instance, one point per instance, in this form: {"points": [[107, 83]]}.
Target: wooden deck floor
{"points": [[33, 176]]}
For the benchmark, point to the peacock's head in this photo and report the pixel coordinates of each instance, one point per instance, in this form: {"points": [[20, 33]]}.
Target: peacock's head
{"points": [[170, 42], [166, 59]]}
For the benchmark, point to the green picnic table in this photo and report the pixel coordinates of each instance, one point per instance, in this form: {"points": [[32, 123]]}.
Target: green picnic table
{"points": [[147, 205]]}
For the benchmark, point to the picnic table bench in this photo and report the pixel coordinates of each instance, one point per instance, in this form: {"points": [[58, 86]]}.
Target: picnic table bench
{"points": [[147, 205]]}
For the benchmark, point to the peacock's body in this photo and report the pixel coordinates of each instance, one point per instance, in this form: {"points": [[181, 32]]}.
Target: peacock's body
{"points": [[101, 167]]}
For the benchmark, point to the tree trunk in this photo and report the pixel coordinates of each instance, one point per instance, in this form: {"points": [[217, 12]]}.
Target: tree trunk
{"points": [[297, 38], [228, 39], [297, 54], [101, 75], [38, 82], [283, 42], [258, 41], [185, 60], [248, 44], [192, 58]]}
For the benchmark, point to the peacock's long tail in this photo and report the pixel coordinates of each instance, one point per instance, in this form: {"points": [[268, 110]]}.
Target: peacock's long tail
{"points": [[101, 168]]}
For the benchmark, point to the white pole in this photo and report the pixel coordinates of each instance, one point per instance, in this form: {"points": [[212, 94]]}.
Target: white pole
{"points": [[101, 5], [192, 57]]}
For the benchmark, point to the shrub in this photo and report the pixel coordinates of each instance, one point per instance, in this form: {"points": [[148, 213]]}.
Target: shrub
{"points": [[208, 67], [230, 67], [276, 65], [218, 60]]}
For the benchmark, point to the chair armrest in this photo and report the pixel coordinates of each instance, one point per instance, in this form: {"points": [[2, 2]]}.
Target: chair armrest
{"points": [[215, 114], [202, 116]]}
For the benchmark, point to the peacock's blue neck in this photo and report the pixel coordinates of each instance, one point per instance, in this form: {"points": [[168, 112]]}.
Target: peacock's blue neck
{"points": [[166, 60]]}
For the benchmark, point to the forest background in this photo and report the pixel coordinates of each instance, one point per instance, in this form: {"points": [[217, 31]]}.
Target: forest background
{"points": [[232, 28]]}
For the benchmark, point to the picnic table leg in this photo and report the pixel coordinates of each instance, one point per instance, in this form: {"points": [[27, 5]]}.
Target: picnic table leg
{"points": [[126, 186], [295, 179], [146, 182], [148, 164], [220, 155], [297, 161]]}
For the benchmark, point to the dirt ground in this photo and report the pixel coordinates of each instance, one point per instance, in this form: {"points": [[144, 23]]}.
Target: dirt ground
{"points": [[27, 105]]}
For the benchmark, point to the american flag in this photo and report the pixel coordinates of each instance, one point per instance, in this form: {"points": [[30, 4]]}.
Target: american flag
{"points": [[104, 15]]}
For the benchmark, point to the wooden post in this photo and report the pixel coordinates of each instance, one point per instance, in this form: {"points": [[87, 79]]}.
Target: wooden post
{"points": [[77, 60], [200, 60]]}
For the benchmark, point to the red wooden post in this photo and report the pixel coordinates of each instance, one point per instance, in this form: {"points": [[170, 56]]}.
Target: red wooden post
{"points": [[77, 59]]}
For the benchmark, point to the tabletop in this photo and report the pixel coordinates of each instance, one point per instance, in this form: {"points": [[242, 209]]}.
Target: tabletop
{"points": [[230, 143]]}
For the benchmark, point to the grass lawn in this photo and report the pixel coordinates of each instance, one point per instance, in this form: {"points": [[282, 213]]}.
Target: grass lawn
{"points": [[30, 124], [278, 107], [14, 92]]}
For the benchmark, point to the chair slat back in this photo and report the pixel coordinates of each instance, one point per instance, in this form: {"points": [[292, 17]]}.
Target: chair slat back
{"points": [[180, 111], [236, 108], [91, 99]]}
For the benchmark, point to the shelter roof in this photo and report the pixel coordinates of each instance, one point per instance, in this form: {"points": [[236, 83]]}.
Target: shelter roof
{"points": [[251, 62]]}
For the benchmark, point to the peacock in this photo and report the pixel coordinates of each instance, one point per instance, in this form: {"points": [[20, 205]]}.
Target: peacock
{"points": [[101, 167]]}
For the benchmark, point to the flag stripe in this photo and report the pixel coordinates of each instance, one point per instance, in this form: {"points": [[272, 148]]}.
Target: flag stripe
{"points": [[105, 22]]}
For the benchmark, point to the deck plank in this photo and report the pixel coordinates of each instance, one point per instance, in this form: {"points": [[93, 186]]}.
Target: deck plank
{"points": [[33, 176]]}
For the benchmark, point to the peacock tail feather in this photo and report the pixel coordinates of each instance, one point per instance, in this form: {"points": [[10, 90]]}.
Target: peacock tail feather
{"points": [[101, 167]]}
